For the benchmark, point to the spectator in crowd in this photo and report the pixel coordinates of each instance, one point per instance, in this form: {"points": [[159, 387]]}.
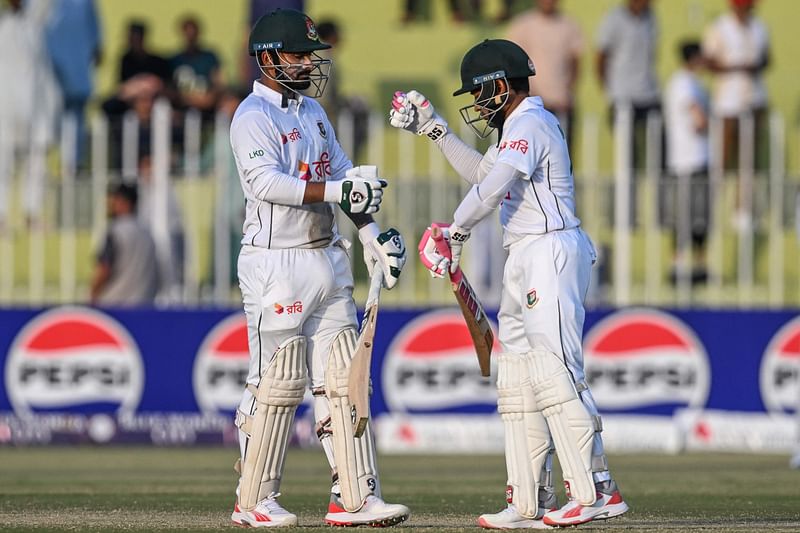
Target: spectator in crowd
{"points": [[126, 272], [30, 103], [685, 200], [626, 55], [74, 44], [556, 42], [626, 68], [736, 46], [142, 75], [196, 72]]}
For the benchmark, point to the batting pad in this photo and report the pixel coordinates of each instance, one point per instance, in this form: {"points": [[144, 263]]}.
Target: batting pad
{"points": [[526, 434], [277, 396], [356, 462], [570, 423]]}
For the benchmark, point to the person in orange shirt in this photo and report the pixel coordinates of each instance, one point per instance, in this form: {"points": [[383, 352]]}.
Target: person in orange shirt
{"points": [[556, 41]]}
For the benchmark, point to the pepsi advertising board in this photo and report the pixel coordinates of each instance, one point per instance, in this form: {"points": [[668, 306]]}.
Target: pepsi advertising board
{"points": [[78, 374]]}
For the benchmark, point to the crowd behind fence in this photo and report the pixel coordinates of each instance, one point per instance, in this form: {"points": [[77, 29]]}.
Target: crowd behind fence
{"points": [[49, 235]]}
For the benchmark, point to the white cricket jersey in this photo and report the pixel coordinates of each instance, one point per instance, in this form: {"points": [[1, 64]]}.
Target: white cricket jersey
{"points": [[544, 201], [731, 43], [273, 146]]}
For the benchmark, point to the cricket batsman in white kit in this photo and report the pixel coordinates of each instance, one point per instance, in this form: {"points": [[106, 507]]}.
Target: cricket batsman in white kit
{"points": [[296, 279], [543, 397]]}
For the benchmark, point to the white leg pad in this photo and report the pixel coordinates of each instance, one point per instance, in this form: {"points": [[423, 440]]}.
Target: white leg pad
{"points": [[356, 462], [570, 423], [527, 439], [268, 428]]}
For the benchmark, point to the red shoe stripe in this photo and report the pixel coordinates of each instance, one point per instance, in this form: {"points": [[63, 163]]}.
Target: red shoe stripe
{"points": [[572, 513], [615, 498], [333, 508], [261, 517]]}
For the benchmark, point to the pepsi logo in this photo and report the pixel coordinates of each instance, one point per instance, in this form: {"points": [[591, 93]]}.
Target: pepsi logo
{"points": [[780, 369], [72, 358], [642, 358], [431, 366], [221, 366]]}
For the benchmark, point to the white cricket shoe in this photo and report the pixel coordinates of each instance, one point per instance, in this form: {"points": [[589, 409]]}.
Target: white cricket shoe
{"points": [[509, 518], [608, 505], [268, 513], [374, 512]]}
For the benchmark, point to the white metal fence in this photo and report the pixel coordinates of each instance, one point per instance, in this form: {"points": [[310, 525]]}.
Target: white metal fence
{"points": [[52, 214]]}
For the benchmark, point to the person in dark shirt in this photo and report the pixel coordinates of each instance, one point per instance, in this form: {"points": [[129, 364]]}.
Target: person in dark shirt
{"points": [[141, 75], [138, 60], [196, 73]]}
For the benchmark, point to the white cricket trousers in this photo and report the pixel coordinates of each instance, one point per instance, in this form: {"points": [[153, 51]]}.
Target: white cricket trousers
{"points": [[545, 282], [294, 292]]}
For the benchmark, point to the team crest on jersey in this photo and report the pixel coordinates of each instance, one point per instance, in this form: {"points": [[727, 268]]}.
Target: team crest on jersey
{"points": [[322, 131], [531, 299]]}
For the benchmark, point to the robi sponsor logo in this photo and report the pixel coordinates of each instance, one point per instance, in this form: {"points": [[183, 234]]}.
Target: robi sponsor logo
{"points": [[431, 366], [221, 366], [73, 359], [780, 369], [645, 358]]}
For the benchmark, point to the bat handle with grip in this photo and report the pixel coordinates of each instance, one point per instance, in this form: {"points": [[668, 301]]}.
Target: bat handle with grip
{"points": [[375, 285], [442, 247]]}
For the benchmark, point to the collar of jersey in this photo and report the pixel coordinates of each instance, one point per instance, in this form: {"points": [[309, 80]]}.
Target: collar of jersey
{"points": [[274, 97], [531, 102]]}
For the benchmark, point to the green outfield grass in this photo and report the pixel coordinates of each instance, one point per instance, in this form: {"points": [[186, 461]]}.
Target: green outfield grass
{"points": [[146, 489]]}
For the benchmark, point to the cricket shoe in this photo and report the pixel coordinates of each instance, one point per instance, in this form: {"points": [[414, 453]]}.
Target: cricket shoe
{"points": [[374, 512], [267, 513], [509, 518], [608, 505]]}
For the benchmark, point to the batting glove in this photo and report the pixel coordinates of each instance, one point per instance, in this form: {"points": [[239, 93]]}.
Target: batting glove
{"points": [[413, 112], [360, 192], [387, 250], [458, 236], [436, 263]]}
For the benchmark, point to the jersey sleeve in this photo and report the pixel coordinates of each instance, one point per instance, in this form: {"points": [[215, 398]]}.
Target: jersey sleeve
{"points": [[258, 159]]}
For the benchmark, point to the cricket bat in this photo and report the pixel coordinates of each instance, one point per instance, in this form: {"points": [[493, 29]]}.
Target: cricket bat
{"points": [[479, 328], [358, 380]]}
